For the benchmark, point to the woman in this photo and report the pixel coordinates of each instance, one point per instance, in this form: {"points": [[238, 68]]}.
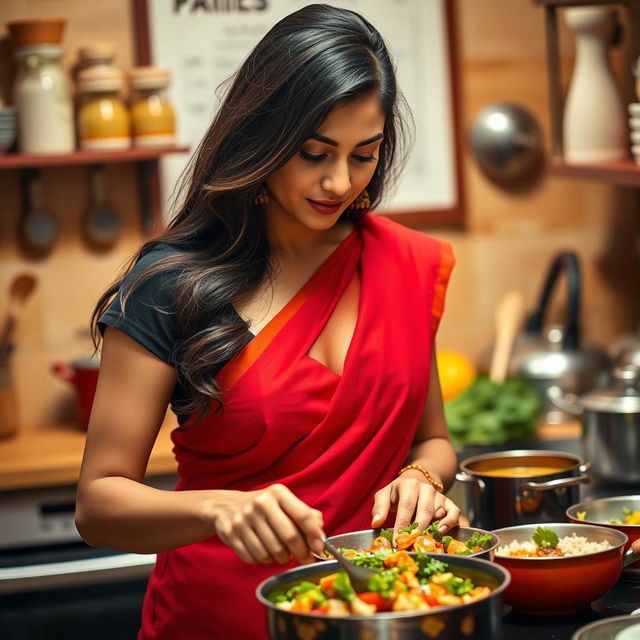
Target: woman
{"points": [[290, 330]]}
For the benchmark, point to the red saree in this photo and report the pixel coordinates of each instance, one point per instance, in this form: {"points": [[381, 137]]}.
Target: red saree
{"points": [[334, 440]]}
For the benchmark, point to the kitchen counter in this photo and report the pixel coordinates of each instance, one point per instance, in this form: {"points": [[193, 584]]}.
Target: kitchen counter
{"points": [[50, 455]]}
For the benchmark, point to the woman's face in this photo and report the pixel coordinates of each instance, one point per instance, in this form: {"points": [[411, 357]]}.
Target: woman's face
{"points": [[331, 168]]}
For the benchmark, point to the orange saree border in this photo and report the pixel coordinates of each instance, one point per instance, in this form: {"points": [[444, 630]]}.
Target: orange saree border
{"points": [[447, 261], [238, 366]]}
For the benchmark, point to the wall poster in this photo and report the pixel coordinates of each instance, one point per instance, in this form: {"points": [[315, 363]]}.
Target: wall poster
{"points": [[203, 42]]}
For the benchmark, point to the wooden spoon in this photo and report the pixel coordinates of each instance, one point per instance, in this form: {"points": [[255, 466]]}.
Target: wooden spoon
{"points": [[508, 317], [21, 288]]}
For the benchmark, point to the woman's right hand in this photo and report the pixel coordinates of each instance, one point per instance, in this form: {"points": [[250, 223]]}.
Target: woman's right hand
{"points": [[270, 525]]}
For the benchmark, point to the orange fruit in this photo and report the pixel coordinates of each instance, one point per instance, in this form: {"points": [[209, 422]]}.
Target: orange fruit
{"points": [[456, 372]]}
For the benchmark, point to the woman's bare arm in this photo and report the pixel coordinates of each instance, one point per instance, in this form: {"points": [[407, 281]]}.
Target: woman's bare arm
{"points": [[115, 509], [412, 496]]}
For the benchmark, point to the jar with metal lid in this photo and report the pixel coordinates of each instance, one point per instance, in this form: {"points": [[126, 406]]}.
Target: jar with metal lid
{"points": [[97, 54], [43, 100], [152, 114], [103, 118]]}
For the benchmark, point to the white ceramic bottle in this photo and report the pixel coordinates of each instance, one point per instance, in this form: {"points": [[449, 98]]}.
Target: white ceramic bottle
{"points": [[43, 101], [594, 124]]}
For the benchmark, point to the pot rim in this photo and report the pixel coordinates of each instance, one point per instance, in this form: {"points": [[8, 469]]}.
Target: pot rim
{"points": [[584, 506], [553, 525], [520, 453], [580, 633], [330, 566], [459, 527]]}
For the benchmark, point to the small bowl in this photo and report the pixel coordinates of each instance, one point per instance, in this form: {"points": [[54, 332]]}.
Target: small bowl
{"points": [[363, 539], [599, 511], [609, 629], [565, 584]]}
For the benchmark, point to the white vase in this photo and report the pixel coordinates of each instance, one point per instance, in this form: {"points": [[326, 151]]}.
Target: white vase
{"points": [[594, 124]]}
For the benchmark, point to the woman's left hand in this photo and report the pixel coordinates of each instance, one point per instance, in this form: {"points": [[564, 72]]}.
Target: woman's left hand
{"points": [[415, 500]]}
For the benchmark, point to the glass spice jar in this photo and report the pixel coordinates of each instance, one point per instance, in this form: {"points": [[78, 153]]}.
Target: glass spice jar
{"points": [[103, 119], [152, 114]]}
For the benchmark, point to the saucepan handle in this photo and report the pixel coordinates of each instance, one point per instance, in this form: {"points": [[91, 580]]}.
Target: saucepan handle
{"points": [[64, 371], [631, 554], [560, 483], [463, 476], [565, 401]]}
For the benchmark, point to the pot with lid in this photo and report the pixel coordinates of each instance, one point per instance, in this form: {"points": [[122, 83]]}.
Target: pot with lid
{"points": [[610, 424]]}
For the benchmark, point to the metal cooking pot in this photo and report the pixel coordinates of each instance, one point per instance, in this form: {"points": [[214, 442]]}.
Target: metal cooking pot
{"points": [[474, 621], [558, 357], [611, 424], [501, 501], [364, 538]]}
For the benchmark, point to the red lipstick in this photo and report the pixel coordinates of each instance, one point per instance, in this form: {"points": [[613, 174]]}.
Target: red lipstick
{"points": [[326, 207]]}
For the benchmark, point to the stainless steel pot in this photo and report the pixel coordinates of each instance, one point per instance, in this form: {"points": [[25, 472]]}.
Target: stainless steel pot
{"points": [[364, 538], [611, 424], [501, 501], [474, 621]]}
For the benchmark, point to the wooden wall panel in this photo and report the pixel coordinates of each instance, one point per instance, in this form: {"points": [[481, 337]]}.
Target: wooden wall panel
{"points": [[509, 239]]}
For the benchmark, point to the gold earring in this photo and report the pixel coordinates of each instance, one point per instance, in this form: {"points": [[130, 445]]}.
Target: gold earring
{"points": [[362, 202], [262, 197]]}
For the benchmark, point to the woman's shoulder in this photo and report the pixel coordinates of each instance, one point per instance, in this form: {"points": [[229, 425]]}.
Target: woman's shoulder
{"points": [[402, 236]]}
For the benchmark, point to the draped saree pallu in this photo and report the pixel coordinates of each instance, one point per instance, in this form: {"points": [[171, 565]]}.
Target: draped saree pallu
{"points": [[334, 440]]}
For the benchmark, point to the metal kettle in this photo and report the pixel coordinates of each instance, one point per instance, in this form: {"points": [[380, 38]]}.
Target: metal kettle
{"points": [[556, 357]]}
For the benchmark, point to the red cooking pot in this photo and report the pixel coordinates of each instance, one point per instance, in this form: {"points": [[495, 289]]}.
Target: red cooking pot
{"points": [[565, 584], [83, 375]]}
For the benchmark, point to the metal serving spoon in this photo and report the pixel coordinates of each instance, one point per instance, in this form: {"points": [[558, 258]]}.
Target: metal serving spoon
{"points": [[358, 576]]}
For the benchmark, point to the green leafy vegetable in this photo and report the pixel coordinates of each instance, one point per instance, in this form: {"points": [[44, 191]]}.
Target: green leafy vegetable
{"points": [[343, 587], [434, 530], [491, 413], [545, 538], [383, 583], [477, 539], [373, 560], [427, 566], [300, 589], [458, 586], [387, 534]]}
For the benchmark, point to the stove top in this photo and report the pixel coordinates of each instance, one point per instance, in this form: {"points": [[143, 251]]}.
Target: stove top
{"points": [[623, 599]]}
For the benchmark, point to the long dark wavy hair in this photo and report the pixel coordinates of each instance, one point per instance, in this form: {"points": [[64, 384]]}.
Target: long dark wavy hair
{"points": [[310, 62]]}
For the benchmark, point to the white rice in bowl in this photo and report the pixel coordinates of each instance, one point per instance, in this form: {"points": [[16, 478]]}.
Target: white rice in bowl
{"points": [[572, 545]]}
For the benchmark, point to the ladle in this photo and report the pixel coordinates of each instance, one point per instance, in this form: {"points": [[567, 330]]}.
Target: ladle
{"points": [[20, 290], [358, 576]]}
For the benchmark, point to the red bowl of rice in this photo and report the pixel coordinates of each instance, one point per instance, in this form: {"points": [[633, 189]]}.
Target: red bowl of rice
{"points": [[555, 585]]}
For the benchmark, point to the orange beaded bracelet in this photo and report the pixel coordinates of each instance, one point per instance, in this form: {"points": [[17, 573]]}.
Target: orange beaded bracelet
{"points": [[438, 486]]}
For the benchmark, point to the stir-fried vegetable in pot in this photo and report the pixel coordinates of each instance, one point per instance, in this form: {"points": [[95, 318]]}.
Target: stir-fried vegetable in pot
{"points": [[429, 540], [403, 583], [629, 517]]}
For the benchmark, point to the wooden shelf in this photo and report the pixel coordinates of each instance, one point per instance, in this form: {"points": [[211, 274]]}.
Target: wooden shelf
{"points": [[138, 154], [624, 172]]}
